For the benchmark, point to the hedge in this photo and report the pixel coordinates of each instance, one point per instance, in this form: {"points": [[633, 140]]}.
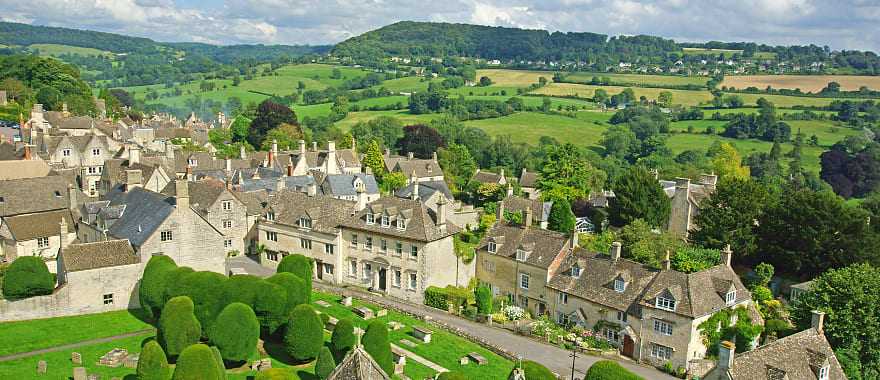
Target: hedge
{"points": [[205, 289], [153, 283], [174, 283], [197, 362], [342, 340], [299, 265], [235, 332], [153, 365], [297, 292], [535, 371], [376, 343], [178, 326], [483, 296], [305, 335], [270, 306], [440, 298], [27, 276], [325, 364], [610, 370]]}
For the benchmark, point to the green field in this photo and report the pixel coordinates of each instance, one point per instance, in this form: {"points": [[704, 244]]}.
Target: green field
{"points": [[683, 97], [55, 50], [405, 84], [652, 80], [403, 115], [528, 127], [680, 142], [699, 51]]}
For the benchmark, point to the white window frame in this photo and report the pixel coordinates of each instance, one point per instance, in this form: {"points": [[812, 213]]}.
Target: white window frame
{"points": [[352, 268], [167, 235], [108, 299], [413, 251], [305, 243], [371, 219], [619, 285], [492, 247], [66, 152], [271, 255], [660, 351], [227, 223], [368, 243], [329, 248], [227, 243], [665, 303], [398, 278], [43, 242], [563, 298], [271, 236], [730, 297], [398, 248], [96, 151], [383, 245], [385, 221], [662, 327], [824, 372], [521, 255], [621, 316], [524, 281], [328, 268], [563, 318], [270, 216], [354, 240], [413, 282], [227, 205], [401, 224], [368, 271]]}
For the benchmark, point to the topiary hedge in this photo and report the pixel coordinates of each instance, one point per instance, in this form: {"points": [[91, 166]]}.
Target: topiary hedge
{"points": [[235, 332], [305, 334], [154, 282], [376, 343], [325, 363], [437, 298], [342, 340], [197, 362], [299, 265], [178, 326], [27, 276], [610, 370], [483, 296], [205, 289], [153, 365], [535, 371], [297, 292]]}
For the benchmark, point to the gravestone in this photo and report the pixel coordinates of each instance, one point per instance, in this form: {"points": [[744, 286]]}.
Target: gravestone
{"points": [[407, 342], [464, 360], [477, 358], [363, 312], [79, 373], [394, 325], [76, 358], [41, 367], [322, 303], [422, 334], [347, 301], [131, 361], [381, 313]]}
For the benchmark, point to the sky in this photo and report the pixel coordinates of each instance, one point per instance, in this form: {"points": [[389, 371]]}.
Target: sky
{"points": [[840, 24]]}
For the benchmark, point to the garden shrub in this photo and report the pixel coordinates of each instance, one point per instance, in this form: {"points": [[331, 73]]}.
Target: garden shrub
{"points": [[297, 293], [153, 365], [305, 335], [325, 363], [197, 362], [535, 371], [205, 289], [270, 306], [376, 343], [299, 265], [153, 283], [483, 296], [235, 332], [342, 340], [27, 276], [174, 283], [610, 370], [437, 298], [178, 326]]}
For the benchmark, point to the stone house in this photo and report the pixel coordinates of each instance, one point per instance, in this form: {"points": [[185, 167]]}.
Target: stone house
{"points": [[85, 153], [651, 315], [484, 177], [803, 355], [539, 210], [220, 207], [518, 261], [421, 170], [156, 224], [528, 182], [685, 200]]}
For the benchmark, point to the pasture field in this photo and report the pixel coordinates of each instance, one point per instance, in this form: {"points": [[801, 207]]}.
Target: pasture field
{"points": [[405, 84], [653, 80], [403, 115], [684, 97], [698, 51], [707, 113], [528, 127], [807, 83], [514, 78], [826, 131], [55, 50], [680, 142]]}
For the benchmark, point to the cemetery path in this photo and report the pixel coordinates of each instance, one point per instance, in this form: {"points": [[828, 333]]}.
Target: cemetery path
{"points": [[419, 359], [69, 346]]}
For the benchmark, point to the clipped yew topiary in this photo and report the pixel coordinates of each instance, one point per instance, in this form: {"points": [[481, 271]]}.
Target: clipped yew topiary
{"points": [[452, 375], [325, 364], [27, 276], [342, 340], [297, 292], [205, 289], [241, 288], [218, 360], [235, 332], [153, 283], [197, 362], [483, 297], [375, 342], [174, 283], [299, 265], [270, 306], [153, 365], [178, 326], [305, 335], [610, 370], [535, 371]]}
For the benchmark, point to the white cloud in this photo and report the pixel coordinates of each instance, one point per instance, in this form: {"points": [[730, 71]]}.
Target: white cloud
{"points": [[845, 24]]}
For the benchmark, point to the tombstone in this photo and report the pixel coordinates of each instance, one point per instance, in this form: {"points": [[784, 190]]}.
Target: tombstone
{"points": [[41, 367], [399, 358], [363, 312], [347, 301], [408, 343], [422, 334], [322, 303], [76, 358], [464, 360], [331, 324], [79, 373], [381, 313], [478, 358], [394, 325]]}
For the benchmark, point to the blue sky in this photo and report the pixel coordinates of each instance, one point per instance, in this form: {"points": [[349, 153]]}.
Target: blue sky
{"points": [[841, 24]]}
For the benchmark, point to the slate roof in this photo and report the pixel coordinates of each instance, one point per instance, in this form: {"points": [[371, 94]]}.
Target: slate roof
{"points": [[255, 201], [596, 282], [358, 365], [543, 246], [30, 195], [697, 294], [540, 210], [102, 254], [144, 213], [426, 190], [74, 122], [421, 223], [42, 224], [114, 170], [325, 212], [343, 184], [797, 356]]}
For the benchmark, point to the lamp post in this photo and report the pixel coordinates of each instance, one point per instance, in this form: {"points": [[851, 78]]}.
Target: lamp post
{"points": [[573, 355]]}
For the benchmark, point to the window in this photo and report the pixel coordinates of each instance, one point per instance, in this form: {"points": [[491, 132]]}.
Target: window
{"points": [[42, 242], [385, 221], [368, 243], [371, 219], [305, 243], [271, 236], [227, 224], [524, 302], [227, 243], [354, 240], [399, 248], [167, 235], [353, 268], [270, 216], [619, 285], [397, 278], [730, 297], [492, 247], [662, 327], [576, 271], [621, 316], [272, 255], [562, 318], [108, 299], [65, 152], [611, 335], [823, 373], [328, 269], [192, 162], [92, 170], [368, 271], [401, 224], [524, 281], [329, 248], [413, 280], [563, 298], [521, 255], [96, 152], [227, 205], [665, 303], [413, 251], [383, 245], [661, 352]]}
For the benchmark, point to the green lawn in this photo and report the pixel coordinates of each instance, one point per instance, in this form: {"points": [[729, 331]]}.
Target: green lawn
{"points": [[59, 365], [35, 334], [56, 50], [679, 142], [827, 132], [528, 127]]}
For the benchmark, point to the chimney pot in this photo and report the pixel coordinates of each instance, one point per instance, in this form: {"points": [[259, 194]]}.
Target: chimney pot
{"points": [[181, 194], [667, 262], [817, 321], [312, 189], [616, 247], [410, 155], [302, 146], [331, 146], [314, 146], [500, 215]]}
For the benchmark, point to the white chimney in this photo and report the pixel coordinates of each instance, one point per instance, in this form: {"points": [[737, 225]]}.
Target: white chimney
{"points": [[242, 154], [302, 146], [331, 146], [71, 197], [415, 191], [228, 164], [667, 261], [275, 146], [615, 250], [726, 255], [134, 155], [361, 199], [442, 210], [818, 321], [726, 352], [63, 233], [527, 217], [500, 212], [314, 146], [410, 156], [312, 189]]}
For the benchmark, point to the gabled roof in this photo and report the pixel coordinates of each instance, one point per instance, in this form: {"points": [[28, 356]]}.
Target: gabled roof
{"points": [[343, 184], [358, 365], [483, 176], [699, 293], [528, 179], [421, 223], [426, 190], [545, 245], [202, 194], [421, 167], [41, 224], [325, 212], [540, 210], [254, 200], [596, 282], [102, 254], [114, 170], [144, 213], [797, 356], [30, 195]]}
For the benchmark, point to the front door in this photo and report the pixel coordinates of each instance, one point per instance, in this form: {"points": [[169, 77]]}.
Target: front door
{"points": [[382, 275], [628, 346], [319, 266]]}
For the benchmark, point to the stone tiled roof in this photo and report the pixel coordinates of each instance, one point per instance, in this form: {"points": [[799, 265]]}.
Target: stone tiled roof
{"points": [[80, 143], [202, 194], [358, 365], [114, 170], [697, 294], [528, 179], [696, 192], [797, 356], [421, 167], [542, 246], [42, 224], [102, 254], [255, 201], [75, 122], [18, 169], [30, 195], [540, 210], [596, 281], [487, 177], [421, 223], [326, 213], [10, 152]]}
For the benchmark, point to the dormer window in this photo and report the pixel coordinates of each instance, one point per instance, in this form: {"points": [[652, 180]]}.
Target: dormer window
{"points": [[823, 372], [619, 285], [385, 221], [305, 222], [270, 216], [401, 224], [96, 152], [521, 255], [665, 303], [371, 219], [576, 271], [192, 162], [492, 248], [730, 297]]}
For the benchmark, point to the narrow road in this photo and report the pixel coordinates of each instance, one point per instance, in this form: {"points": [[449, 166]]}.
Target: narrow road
{"points": [[554, 358], [65, 347]]}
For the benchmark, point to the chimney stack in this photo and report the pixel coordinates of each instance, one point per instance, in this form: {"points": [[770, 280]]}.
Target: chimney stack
{"points": [[302, 146], [242, 153], [726, 255], [415, 191], [133, 178], [434, 155], [442, 210], [274, 146], [181, 194], [279, 184], [500, 216], [290, 169], [818, 321], [228, 165], [312, 189], [726, 351], [667, 261], [64, 111], [134, 155], [27, 153], [71, 197], [331, 146], [62, 230], [361, 198], [575, 239], [169, 149], [189, 174], [314, 146], [527, 217], [509, 190], [615, 251]]}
